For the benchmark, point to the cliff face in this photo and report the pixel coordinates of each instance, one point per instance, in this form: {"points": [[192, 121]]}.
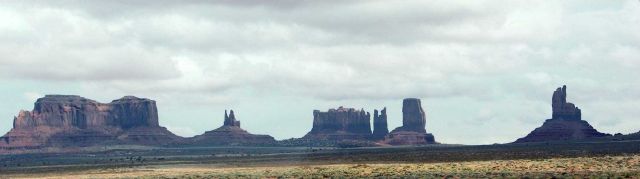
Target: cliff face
{"points": [[412, 131], [413, 116], [66, 120], [561, 108], [230, 133], [565, 124], [129, 112], [340, 124], [62, 111], [66, 111]]}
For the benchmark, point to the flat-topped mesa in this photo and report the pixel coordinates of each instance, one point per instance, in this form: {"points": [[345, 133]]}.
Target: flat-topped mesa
{"points": [[130, 111], [69, 120], [63, 111], [230, 120], [561, 108], [342, 119], [565, 124], [341, 123], [380, 128]]}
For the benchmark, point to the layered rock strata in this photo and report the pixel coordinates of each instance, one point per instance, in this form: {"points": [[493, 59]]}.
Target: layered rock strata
{"points": [[68, 120]]}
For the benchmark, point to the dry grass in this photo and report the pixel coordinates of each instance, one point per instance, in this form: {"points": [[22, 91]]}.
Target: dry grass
{"points": [[590, 167]]}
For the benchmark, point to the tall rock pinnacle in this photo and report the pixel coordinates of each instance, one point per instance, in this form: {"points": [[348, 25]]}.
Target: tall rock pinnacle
{"points": [[412, 131], [230, 133], [562, 109], [230, 120], [380, 128], [413, 116], [565, 124]]}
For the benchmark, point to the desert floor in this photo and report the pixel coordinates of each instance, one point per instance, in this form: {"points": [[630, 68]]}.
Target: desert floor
{"points": [[590, 167]]}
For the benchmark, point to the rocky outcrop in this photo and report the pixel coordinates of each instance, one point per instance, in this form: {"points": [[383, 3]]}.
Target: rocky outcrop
{"points": [[409, 138], [413, 117], [340, 124], [230, 120], [380, 128], [230, 133], [559, 129], [561, 108], [67, 120], [412, 131], [129, 112], [565, 124]]}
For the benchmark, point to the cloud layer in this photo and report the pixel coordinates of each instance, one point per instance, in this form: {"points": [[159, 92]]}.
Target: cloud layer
{"points": [[482, 65]]}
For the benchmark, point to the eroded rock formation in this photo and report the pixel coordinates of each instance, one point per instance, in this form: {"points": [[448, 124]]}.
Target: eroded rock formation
{"points": [[230, 120], [561, 108], [413, 117], [340, 124], [412, 131], [67, 120], [565, 124], [380, 128], [230, 133]]}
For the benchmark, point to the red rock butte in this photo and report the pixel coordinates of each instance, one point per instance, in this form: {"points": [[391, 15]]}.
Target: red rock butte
{"points": [[412, 131], [340, 124], [349, 124], [230, 134], [565, 124], [68, 120]]}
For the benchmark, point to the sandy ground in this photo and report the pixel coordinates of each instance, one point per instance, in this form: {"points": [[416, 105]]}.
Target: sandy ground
{"points": [[594, 167]]}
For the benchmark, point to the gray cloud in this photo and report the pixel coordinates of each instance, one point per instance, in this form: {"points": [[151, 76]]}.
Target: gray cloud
{"points": [[488, 63]]}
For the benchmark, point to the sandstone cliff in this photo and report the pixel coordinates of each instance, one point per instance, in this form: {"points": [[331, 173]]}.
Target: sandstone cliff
{"points": [[340, 124], [67, 120], [565, 124]]}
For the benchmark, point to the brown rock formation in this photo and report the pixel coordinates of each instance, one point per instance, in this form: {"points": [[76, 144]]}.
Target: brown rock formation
{"points": [[340, 124], [66, 120], [230, 133], [562, 109], [380, 128], [413, 117], [558, 129], [409, 138], [230, 120], [565, 123], [412, 131]]}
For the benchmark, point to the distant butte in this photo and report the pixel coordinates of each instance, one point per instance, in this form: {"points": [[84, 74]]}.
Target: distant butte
{"points": [[340, 124], [72, 121], [230, 133], [565, 124], [412, 131], [69, 121]]}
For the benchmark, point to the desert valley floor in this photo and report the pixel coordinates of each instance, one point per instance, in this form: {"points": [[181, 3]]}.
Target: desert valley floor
{"points": [[560, 159]]}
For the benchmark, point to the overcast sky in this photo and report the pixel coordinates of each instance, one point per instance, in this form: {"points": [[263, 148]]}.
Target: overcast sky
{"points": [[485, 70]]}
